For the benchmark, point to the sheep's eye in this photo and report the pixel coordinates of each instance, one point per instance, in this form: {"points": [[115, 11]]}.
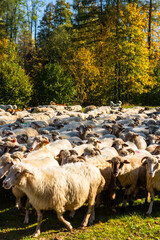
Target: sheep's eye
{"points": [[17, 173], [9, 162], [121, 165]]}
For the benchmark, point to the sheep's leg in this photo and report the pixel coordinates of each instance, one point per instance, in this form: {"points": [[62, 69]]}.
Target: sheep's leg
{"points": [[72, 213], [88, 215], [127, 194], [147, 196], [99, 199], [18, 203], [151, 203], [39, 219], [61, 218], [26, 219], [92, 217]]}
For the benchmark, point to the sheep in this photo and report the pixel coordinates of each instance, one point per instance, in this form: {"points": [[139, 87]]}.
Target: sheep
{"points": [[91, 152], [83, 131], [42, 146], [63, 188], [109, 152], [98, 161], [89, 108], [80, 149], [8, 160], [112, 104], [126, 151], [130, 173], [152, 178], [137, 139], [29, 131]]}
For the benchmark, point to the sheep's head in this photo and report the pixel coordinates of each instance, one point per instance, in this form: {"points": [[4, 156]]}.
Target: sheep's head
{"points": [[117, 165], [126, 151], [151, 164], [16, 176], [6, 162], [39, 142], [119, 143]]}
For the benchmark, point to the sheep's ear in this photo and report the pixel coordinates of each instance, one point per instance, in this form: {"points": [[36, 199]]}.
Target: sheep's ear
{"points": [[126, 161], [144, 163], [110, 161], [27, 171], [125, 145], [158, 158], [131, 150], [81, 157], [73, 152], [144, 158], [59, 154]]}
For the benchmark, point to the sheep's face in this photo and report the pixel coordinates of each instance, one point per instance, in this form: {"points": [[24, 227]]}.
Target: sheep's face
{"points": [[118, 144], [38, 143], [117, 165], [125, 152], [16, 176], [152, 165], [5, 164]]}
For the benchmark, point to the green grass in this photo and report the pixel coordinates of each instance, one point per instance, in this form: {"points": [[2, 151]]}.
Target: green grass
{"points": [[133, 224]]}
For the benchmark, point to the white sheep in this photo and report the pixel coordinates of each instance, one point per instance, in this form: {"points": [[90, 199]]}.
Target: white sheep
{"points": [[63, 188], [137, 139], [8, 160], [98, 161], [152, 178], [42, 147]]}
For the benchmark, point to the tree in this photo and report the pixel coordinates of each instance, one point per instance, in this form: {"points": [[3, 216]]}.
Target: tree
{"points": [[46, 24], [52, 83], [12, 14], [63, 13], [26, 48], [86, 75], [15, 84]]}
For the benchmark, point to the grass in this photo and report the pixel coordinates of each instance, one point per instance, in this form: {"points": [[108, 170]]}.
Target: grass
{"points": [[133, 224]]}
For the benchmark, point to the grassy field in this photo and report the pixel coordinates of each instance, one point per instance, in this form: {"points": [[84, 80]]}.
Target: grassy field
{"points": [[133, 224]]}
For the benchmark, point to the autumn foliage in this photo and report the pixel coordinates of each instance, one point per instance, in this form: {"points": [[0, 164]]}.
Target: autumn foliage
{"points": [[99, 52]]}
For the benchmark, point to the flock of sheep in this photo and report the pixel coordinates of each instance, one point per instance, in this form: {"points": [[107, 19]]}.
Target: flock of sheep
{"points": [[61, 157]]}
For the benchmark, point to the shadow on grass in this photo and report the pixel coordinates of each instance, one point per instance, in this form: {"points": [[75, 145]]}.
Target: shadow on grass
{"points": [[13, 228]]}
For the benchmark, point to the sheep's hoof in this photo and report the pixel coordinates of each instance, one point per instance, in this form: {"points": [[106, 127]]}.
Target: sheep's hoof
{"points": [[26, 221], [70, 228], [148, 213], [82, 227], [114, 210], [36, 234]]}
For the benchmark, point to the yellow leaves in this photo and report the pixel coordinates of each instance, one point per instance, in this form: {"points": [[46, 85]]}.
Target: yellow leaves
{"points": [[85, 72]]}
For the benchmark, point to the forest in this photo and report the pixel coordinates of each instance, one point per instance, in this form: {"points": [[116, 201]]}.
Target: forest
{"points": [[87, 52]]}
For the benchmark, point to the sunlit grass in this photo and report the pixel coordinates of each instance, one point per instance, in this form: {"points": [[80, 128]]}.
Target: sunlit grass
{"points": [[133, 224]]}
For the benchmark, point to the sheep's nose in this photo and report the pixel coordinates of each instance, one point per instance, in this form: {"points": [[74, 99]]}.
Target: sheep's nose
{"points": [[4, 184], [115, 174], [151, 174]]}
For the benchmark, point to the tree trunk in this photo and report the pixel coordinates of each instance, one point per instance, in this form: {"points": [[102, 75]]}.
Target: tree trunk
{"points": [[149, 29]]}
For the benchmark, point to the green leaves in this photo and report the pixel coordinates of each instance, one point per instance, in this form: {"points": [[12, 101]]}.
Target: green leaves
{"points": [[15, 84]]}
